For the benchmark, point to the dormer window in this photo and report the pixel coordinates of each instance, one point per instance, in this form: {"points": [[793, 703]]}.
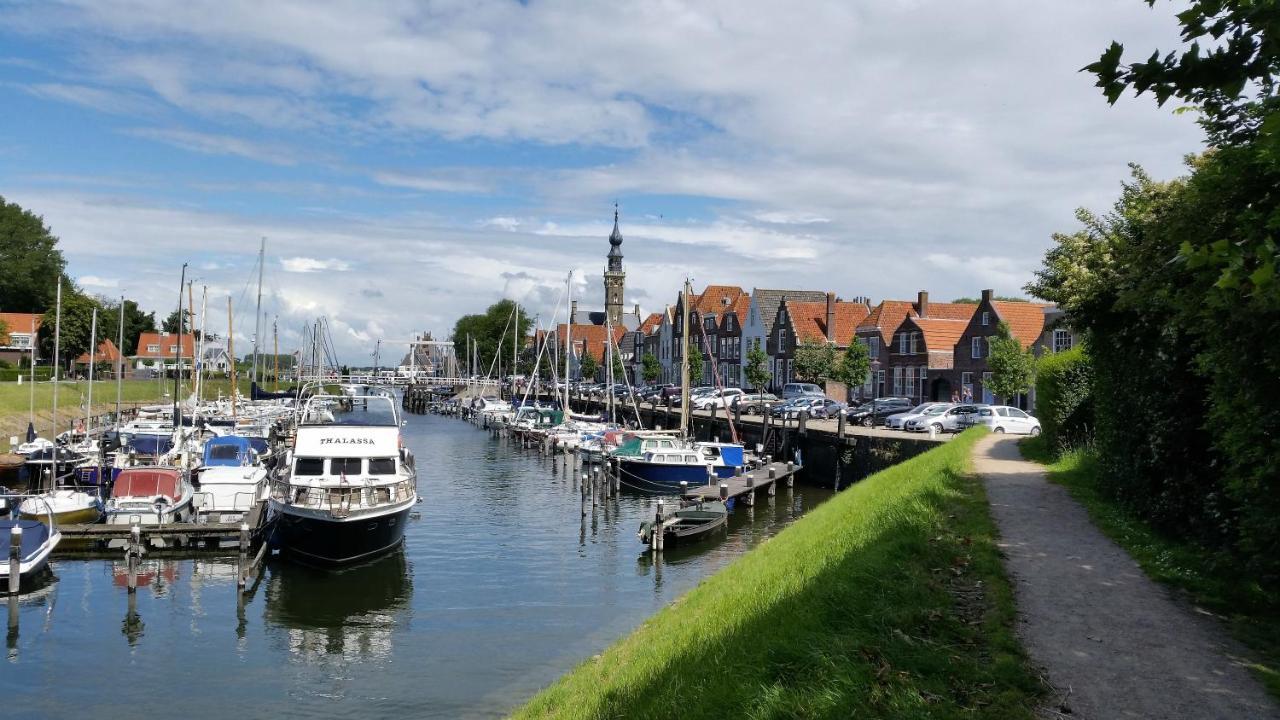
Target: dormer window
{"points": [[153, 348]]}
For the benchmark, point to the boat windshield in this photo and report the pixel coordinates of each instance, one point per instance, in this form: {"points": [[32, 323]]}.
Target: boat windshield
{"points": [[364, 411]]}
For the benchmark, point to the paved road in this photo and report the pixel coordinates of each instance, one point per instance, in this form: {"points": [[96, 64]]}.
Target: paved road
{"points": [[1112, 642]]}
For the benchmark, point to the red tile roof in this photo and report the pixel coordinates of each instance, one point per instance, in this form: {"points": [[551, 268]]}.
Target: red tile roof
{"points": [[166, 341], [717, 299], [107, 353], [940, 334], [951, 311], [887, 316], [17, 322], [593, 336], [810, 320], [651, 323], [1026, 320]]}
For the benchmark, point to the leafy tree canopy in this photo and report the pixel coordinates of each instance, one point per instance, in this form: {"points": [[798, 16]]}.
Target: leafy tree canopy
{"points": [[1012, 368], [815, 360], [136, 322], [651, 367], [588, 366], [976, 301], [489, 330], [757, 371], [75, 326], [30, 260], [853, 365]]}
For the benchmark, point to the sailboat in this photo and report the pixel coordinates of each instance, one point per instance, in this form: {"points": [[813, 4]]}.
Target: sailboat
{"points": [[53, 503], [657, 462]]}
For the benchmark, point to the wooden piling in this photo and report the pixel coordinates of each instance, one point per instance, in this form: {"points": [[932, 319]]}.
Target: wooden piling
{"points": [[15, 559], [724, 491]]}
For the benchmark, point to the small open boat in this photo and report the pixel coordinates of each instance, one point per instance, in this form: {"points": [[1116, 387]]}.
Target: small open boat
{"points": [[38, 540], [68, 506], [150, 495], [690, 522]]}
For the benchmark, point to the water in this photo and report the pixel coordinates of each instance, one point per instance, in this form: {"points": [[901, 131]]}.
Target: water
{"points": [[501, 588]]}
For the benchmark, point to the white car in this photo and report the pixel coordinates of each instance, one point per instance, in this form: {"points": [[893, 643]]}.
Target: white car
{"points": [[721, 399], [898, 421], [1006, 419]]}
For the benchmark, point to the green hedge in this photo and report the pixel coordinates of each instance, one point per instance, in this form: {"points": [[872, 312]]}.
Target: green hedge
{"points": [[11, 374], [1064, 399]]}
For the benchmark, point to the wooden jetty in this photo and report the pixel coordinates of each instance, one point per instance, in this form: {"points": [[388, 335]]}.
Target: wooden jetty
{"points": [[745, 485]]}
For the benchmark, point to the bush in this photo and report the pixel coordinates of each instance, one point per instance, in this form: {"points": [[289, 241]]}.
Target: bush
{"points": [[11, 374], [1064, 399]]}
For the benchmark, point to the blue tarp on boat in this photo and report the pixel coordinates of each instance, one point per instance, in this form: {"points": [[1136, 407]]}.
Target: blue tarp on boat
{"points": [[228, 451], [34, 536], [150, 444]]}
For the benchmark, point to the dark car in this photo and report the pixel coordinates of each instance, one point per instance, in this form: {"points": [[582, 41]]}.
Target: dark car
{"points": [[873, 412], [817, 407]]}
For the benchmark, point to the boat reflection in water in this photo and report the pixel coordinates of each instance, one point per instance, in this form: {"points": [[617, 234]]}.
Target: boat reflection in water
{"points": [[348, 615], [159, 575]]}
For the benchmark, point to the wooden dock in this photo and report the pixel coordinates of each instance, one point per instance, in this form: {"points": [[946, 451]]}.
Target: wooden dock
{"points": [[202, 531], [762, 478]]}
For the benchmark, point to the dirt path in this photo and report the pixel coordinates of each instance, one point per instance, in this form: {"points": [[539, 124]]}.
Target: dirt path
{"points": [[1112, 642]]}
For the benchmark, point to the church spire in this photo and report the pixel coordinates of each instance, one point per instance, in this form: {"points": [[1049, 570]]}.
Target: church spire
{"points": [[614, 277]]}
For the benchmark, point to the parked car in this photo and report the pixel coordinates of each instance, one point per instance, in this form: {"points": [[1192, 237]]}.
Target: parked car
{"points": [[1003, 418], [953, 419], [720, 398], [873, 412], [897, 420], [791, 391], [780, 409], [816, 407], [694, 394], [754, 403]]}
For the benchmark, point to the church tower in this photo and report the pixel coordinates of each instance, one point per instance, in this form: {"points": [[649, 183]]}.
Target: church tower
{"points": [[614, 278]]}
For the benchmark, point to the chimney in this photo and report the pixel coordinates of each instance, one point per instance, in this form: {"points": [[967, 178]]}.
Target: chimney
{"points": [[637, 310], [922, 303], [831, 317], [986, 296], [573, 311]]}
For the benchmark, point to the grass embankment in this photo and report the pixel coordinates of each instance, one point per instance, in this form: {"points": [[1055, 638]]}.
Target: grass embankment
{"points": [[887, 601], [15, 400], [1214, 582]]}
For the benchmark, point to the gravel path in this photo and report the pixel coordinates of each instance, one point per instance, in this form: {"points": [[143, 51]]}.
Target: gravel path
{"points": [[1112, 642]]}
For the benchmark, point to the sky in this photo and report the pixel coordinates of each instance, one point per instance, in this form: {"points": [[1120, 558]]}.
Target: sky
{"points": [[410, 162]]}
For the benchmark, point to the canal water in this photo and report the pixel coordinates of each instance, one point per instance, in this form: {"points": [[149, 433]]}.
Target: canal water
{"points": [[501, 587]]}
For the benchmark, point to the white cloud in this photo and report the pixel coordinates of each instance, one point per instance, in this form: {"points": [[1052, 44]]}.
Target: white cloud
{"points": [[504, 223], [429, 183], [310, 265], [93, 281], [210, 144]]}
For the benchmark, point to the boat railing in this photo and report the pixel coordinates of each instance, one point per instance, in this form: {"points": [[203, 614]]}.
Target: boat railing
{"points": [[205, 501], [341, 499], [13, 501]]}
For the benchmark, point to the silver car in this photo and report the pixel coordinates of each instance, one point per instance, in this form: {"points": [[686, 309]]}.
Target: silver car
{"points": [[949, 418], [898, 420]]}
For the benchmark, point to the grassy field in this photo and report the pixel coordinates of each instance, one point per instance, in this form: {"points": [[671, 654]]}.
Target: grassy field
{"points": [[887, 601], [1212, 581], [15, 400]]}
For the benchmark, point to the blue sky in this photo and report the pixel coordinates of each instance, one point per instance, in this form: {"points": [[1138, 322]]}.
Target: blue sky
{"points": [[411, 162]]}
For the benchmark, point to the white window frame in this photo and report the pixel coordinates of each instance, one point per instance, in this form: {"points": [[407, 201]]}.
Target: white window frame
{"points": [[902, 343], [923, 373], [986, 318], [1061, 340], [975, 347], [897, 381], [915, 343], [873, 347]]}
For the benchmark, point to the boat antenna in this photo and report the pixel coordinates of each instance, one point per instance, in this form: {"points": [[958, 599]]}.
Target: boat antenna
{"points": [[257, 313], [120, 363], [57, 339]]}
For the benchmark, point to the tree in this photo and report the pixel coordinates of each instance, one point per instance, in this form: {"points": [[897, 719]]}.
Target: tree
{"points": [[587, 365], [1012, 367], [136, 322], [650, 367], [815, 360], [853, 366], [757, 370], [976, 301], [30, 259], [489, 330], [170, 324], [77, 321]]}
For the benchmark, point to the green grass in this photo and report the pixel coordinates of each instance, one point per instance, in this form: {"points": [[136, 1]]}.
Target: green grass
{"points": [[887, 601], [1213, 581], [16, 399]]}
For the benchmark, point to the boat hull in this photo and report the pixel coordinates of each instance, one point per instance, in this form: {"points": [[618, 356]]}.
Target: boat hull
{"points": [[669, 474], [70, 517], [322, 539]]}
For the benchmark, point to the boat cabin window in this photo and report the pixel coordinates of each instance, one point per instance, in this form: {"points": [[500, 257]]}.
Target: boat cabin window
{"points": [[382, 466], [308, 466], [344, 466], [711, 453], [224, 452], [372, 411]]}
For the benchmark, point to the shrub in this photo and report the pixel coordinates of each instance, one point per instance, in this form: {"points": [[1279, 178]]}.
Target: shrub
{"points": [[1064, 399]]}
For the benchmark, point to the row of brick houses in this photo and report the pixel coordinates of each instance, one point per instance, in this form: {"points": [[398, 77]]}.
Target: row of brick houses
{"points": [[154, 355], [919, 349]]}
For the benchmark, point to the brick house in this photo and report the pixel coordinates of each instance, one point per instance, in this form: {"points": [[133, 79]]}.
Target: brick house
{"points": [[1026, 323], [921, 354], [728, 347], [705, 309], [833, 321], [587, 338], [876, 331], [156, 352], [107, 354], [762, 313], [18, 341]]}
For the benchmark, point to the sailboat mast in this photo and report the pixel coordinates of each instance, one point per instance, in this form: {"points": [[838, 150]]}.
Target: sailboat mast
{"points": [[31, 414], [568, 338], [684, 359], [204, 332], [257, 313], [93, 350], [177, 352], [57, 338], [120, 364], [275, 352], [231, 354], [515, 349]]}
